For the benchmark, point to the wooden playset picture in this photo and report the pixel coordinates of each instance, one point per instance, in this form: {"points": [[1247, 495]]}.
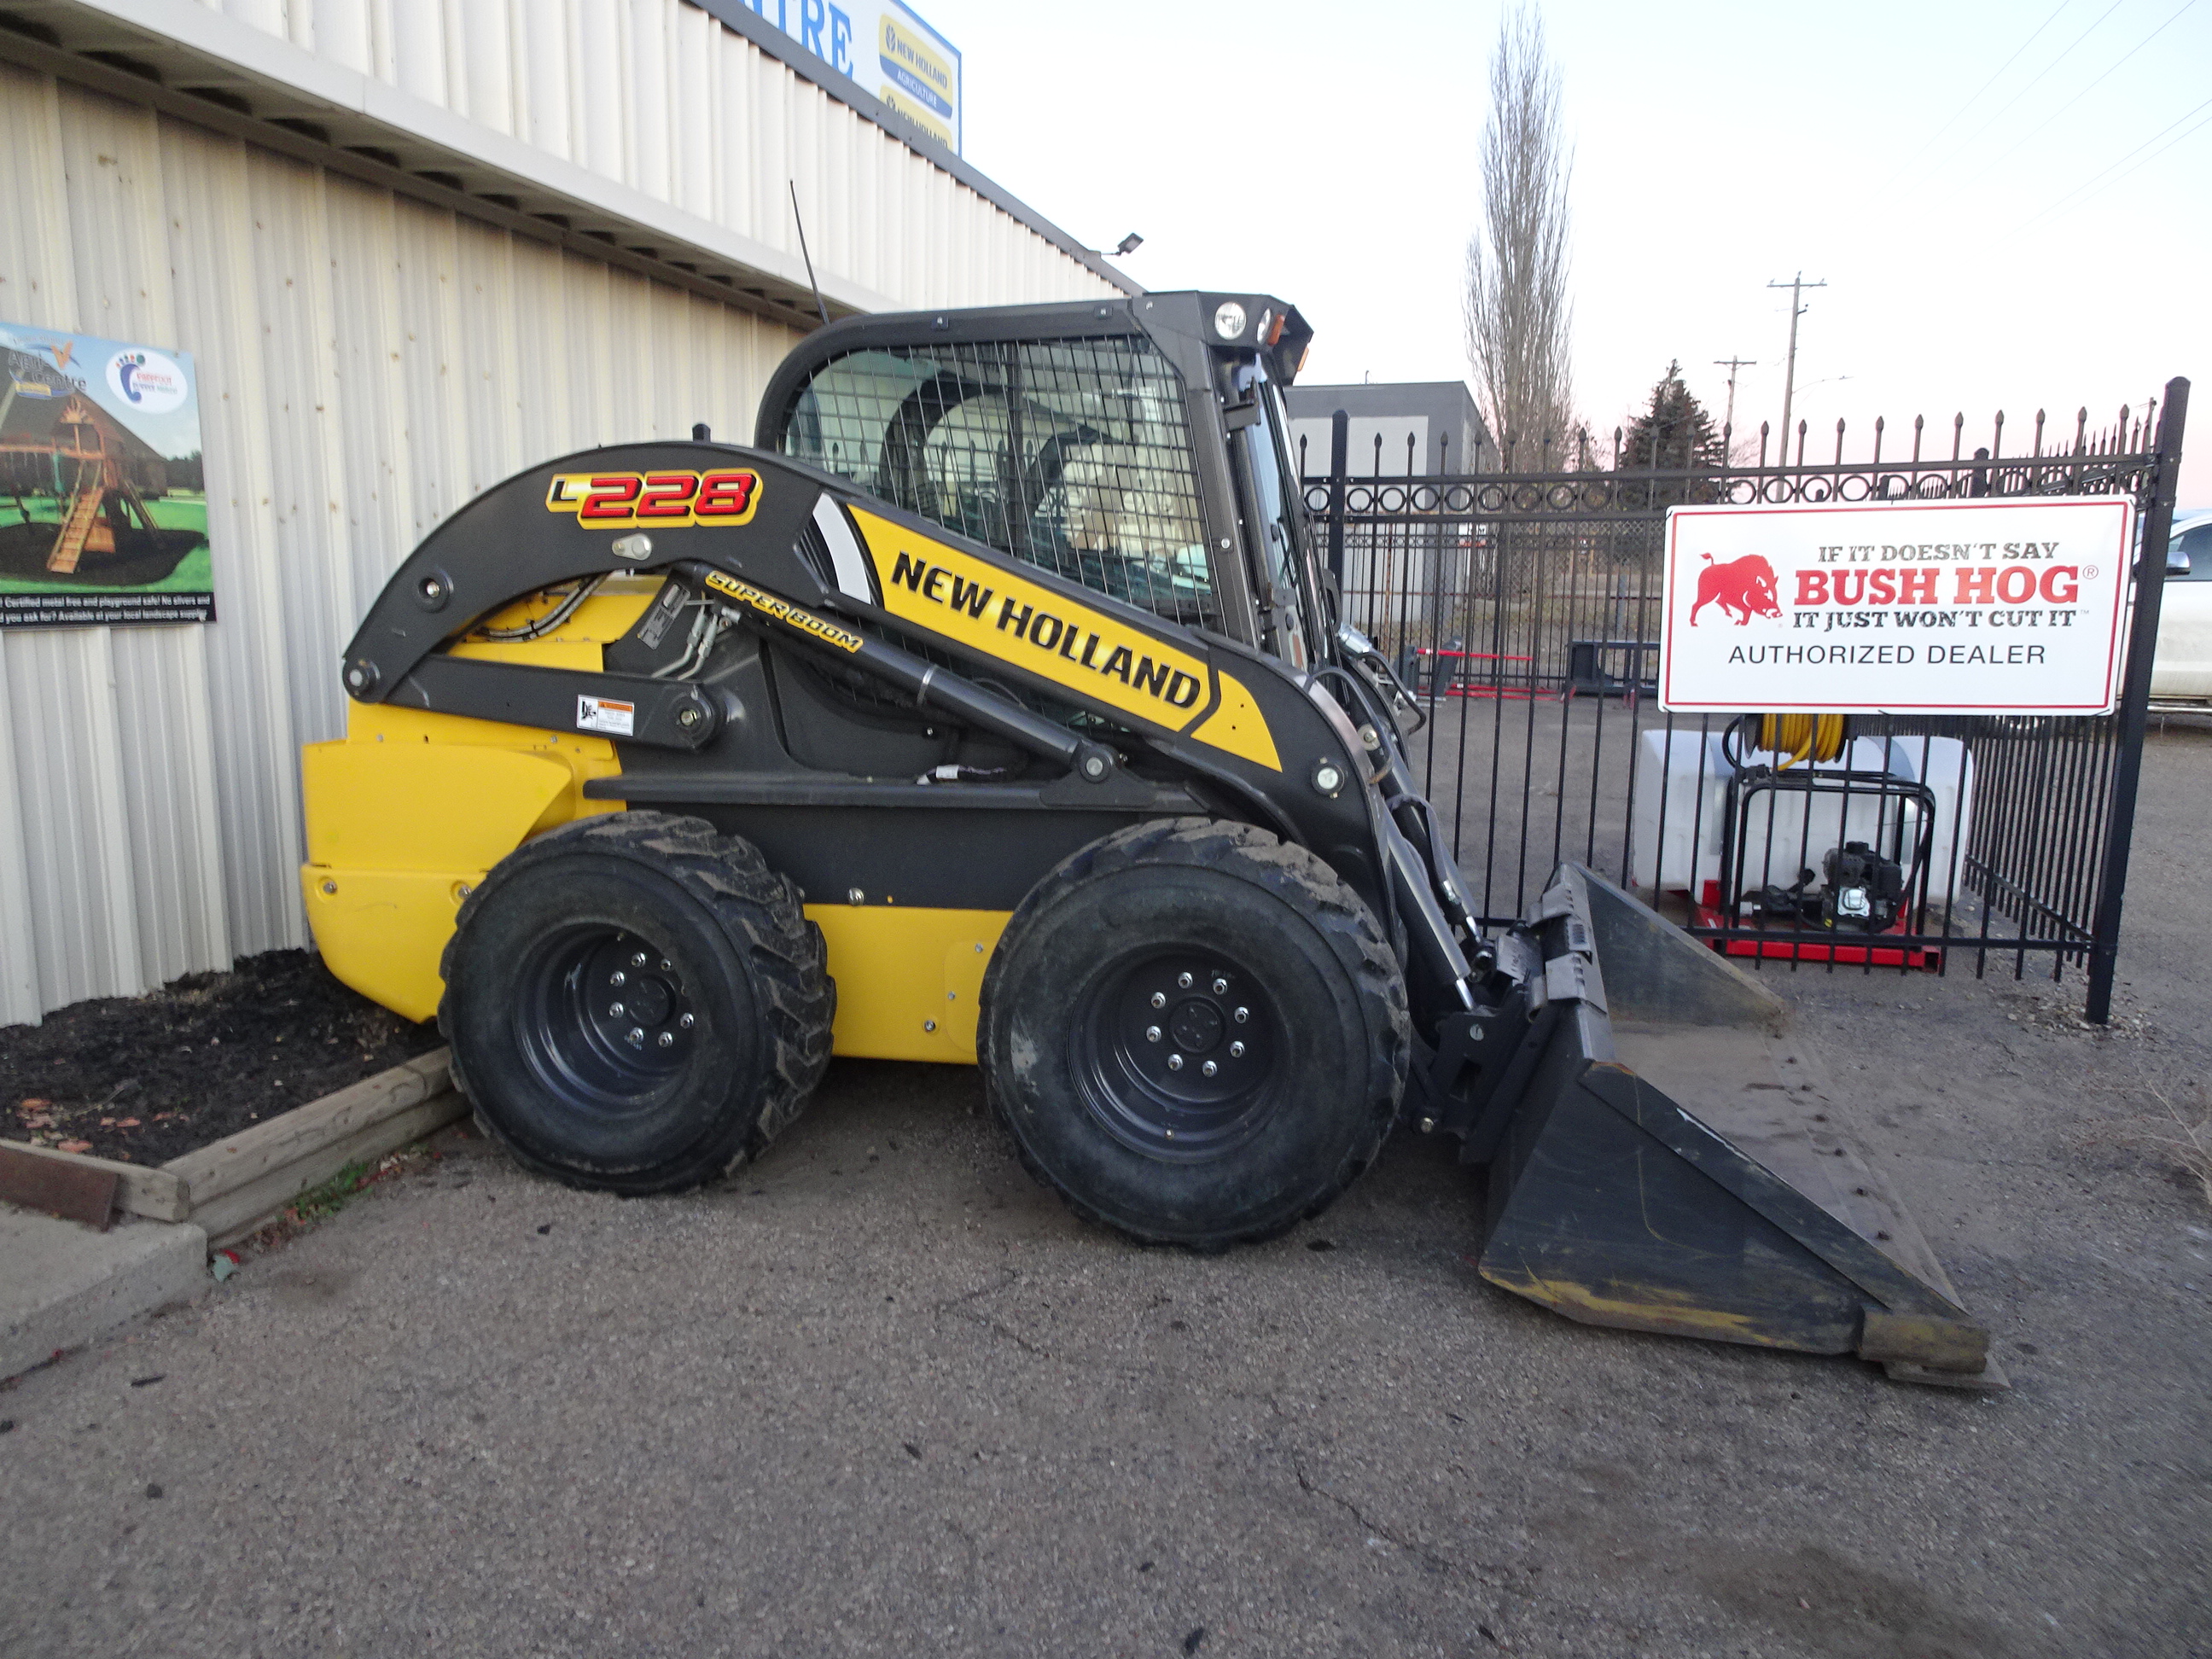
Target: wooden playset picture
{"points": [[103, 502]]}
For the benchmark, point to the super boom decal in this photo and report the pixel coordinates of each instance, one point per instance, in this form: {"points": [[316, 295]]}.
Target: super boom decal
{"points": [[783, 611]]}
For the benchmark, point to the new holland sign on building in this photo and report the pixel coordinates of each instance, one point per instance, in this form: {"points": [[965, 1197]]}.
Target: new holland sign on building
{"points": [[884, 47], [2011, 606]]}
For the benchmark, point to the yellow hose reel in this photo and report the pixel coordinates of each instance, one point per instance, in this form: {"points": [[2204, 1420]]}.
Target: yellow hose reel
{"points": [[1794, 737]]}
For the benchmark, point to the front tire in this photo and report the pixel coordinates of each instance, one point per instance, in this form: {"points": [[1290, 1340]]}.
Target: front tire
{"points": [[635, 1004], [1196, 1033]]}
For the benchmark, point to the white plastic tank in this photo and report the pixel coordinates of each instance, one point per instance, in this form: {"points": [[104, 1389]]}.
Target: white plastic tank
{"points": [[1679, 808]]}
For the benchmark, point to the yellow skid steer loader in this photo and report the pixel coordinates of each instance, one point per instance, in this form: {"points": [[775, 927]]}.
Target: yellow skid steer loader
{"points": [[993, 709]]}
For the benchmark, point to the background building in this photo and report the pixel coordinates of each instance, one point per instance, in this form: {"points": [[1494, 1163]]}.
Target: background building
{"points": [[1394, 575], [1417, 427], [413, 247]]}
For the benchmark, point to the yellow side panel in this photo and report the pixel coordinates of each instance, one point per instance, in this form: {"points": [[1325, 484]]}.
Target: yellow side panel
{"points": [[587, 755], [908, 980], [1239, 727], [607, 615], [423, 807], [409, 811], [382, 931]]}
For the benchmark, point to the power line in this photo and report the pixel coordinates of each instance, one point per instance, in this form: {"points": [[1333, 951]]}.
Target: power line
{"points": [[2123, 162], [1929, 142], [2045, 69], [2100, 80], [2162, 149]]}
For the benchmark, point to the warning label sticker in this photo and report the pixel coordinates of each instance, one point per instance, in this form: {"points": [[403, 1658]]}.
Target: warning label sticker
{"points": [[615, 720]]}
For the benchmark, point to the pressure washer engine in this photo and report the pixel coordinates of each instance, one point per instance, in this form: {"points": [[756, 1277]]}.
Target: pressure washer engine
{"points": [[1860, 888], [1863, 890]]}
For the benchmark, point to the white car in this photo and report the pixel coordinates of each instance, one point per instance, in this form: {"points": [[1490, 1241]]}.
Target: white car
{"points": [[2181, 672]]}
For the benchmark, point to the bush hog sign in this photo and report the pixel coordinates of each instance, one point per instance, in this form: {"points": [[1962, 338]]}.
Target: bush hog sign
{"points": [[2009, 607]]}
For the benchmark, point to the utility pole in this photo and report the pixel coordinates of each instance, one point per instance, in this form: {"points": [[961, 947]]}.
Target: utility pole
{"points": [[1732, 364], [1796, 285]]}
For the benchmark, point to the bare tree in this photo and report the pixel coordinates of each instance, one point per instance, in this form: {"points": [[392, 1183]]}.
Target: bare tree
{"points": [[1517, 314]]}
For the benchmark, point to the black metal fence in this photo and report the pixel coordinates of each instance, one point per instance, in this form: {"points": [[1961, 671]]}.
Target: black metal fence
{"points": [[1523, 609]]}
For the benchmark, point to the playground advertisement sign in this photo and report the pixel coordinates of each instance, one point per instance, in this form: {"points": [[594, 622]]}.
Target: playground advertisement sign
{"points": [[103, 500], [1984, 606]]}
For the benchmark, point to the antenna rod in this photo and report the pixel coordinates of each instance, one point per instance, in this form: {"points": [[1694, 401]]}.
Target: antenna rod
{"points": [[809, 257]]}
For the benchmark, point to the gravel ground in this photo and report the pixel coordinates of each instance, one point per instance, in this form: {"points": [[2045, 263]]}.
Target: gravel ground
{"points": [[883, 1395]]}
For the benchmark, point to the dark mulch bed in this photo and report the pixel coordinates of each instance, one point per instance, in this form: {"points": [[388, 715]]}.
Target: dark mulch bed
{"points": [[146, 1079]]}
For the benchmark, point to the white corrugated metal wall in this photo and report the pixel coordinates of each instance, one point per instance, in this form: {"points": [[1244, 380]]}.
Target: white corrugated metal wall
{"points": [[658, 95], [368, 363]]}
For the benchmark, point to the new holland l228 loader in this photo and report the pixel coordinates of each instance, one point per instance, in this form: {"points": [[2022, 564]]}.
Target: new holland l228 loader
{"points": [[993, 709]]}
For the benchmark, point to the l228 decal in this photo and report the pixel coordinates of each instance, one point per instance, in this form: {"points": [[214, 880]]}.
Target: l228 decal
{"points": [[670, 501]]}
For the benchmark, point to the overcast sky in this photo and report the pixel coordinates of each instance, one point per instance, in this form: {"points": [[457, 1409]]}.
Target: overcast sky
{"points": [[2011, 212]]}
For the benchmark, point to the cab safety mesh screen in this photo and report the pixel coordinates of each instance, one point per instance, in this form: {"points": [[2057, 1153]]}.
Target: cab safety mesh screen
{"points": [[1072, 454]]}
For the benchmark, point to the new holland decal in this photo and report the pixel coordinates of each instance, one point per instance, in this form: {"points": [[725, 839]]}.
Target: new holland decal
{"points": [[662, 500], [1099, 657]]}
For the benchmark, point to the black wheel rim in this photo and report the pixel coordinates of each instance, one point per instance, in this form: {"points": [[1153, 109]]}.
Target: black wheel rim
{"points": [[1179, 1054], [605, 1022]]}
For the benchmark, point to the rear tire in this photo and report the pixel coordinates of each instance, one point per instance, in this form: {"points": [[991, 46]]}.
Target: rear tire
{"points": [[635, 1004], [1196, 1033]]}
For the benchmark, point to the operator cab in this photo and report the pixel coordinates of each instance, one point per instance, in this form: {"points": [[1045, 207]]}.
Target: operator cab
{"points": [[1140, 447]]}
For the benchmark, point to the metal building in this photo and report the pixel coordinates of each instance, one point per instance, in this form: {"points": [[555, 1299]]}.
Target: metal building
{"points": [[1398, 428], [414, 245]]}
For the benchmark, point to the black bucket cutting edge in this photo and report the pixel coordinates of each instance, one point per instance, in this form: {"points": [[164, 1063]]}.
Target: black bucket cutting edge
{"points": [[1673, 1163]]}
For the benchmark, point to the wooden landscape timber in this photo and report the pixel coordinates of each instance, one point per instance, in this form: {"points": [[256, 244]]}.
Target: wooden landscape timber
{"points": [[243, 1181]]}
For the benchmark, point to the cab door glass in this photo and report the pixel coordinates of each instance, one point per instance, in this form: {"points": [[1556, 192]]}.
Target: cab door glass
{"points": [[1274, 509], [1072, 454]]}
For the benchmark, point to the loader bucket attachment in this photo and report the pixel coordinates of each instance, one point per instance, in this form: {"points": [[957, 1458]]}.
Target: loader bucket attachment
{"points": [[1674, 1163]]}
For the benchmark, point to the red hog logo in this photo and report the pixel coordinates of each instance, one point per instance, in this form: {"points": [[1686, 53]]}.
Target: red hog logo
{"points": [[1744, 587]]}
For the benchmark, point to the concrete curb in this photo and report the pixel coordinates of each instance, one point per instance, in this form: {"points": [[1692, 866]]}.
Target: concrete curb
{"points": [[62, 1284]]}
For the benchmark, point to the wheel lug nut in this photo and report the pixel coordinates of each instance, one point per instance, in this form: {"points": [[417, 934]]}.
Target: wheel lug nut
{"points": [[637, 1036], [1183, 980], [618, 977], [667, 1039], [1243, 1014], [665, 964], [1159, 998], [637, 960], [1209, 1068], [1220, 987], [1236, 1051], [685, 1022], [614, 1010], [1151, 1034], [1175, 1062]]}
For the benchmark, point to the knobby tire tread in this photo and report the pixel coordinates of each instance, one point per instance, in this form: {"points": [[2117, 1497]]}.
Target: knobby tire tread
{"points": [[1306, 883], [753, 903]]}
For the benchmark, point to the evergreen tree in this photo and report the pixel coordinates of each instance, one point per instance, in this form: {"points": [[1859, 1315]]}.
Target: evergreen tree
{"points": [[1675, 434]]}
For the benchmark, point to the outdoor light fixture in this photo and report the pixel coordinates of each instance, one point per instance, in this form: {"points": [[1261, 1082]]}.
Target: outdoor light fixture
{"points": [[1129, 244]]}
